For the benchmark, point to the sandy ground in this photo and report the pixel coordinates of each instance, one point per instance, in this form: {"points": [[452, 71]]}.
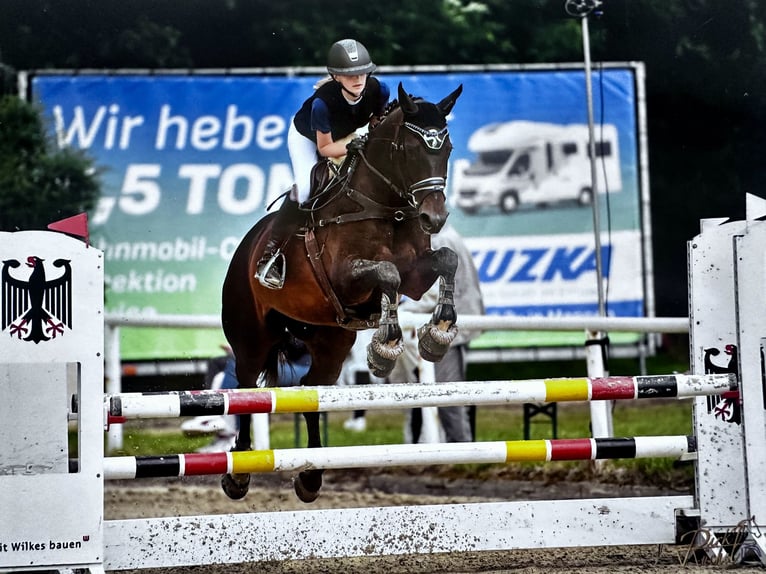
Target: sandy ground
{"points": [[344, 489]]}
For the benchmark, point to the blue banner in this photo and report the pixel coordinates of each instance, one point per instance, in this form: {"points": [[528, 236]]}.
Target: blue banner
{"points": [[190, 162]]}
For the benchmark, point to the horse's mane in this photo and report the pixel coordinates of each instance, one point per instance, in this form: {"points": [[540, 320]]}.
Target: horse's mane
{"points": [[394, 105], [390, 107]]}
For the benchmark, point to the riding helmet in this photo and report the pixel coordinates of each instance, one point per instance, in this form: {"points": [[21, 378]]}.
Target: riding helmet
{"points": [[349, 58]]}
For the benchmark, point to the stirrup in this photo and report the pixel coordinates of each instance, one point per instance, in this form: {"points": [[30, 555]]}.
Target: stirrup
{"points": [[269, 274]]}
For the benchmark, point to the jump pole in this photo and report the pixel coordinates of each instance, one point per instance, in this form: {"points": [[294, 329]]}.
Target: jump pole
{"points": [[375, 456], [124, 406], [389, 531], [588, 324]]}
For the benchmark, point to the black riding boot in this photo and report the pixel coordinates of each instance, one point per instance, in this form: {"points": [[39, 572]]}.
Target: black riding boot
{"points": [[271, 267]]}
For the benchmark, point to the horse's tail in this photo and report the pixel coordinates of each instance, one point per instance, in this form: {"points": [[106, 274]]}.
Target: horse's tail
{"points": [[280, 369]]}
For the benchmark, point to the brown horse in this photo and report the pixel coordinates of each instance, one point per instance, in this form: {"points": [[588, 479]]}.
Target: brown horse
{"points": [[365, 242]]}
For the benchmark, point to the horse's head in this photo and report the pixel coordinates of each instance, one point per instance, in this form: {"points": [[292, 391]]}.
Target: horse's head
{"points": [[419, 155]]}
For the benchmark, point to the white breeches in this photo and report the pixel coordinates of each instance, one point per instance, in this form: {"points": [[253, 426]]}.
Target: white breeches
{"points": [[303, 156]]}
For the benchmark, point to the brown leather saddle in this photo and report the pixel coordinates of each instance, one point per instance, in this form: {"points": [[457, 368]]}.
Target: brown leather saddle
{"points": [[323, 174]]}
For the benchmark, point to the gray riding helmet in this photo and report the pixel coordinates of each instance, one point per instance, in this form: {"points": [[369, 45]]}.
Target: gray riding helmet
{"points": [[349, 58]]}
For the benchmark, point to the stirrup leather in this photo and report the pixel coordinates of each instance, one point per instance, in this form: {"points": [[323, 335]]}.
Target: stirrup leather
{"points": [[270, 274]]}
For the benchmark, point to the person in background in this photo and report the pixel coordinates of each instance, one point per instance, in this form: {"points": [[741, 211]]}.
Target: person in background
{"points": [[356, 372], [458, 423], [349, 99], [221, 375]]}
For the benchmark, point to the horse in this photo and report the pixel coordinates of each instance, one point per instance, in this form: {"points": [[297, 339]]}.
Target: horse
{"points": [[365, 242]]}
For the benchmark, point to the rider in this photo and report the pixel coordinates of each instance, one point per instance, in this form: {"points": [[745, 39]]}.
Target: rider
{"points": [[348, 99]]}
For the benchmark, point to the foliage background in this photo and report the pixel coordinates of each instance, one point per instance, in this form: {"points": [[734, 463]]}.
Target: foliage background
{"points": [[39, 183], [705, 62]]}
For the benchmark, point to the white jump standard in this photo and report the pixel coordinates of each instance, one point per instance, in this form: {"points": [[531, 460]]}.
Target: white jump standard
{"points": [[53, 514]]}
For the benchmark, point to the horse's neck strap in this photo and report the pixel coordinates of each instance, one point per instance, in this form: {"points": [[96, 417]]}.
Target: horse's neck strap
{"points": [[371, 209]]}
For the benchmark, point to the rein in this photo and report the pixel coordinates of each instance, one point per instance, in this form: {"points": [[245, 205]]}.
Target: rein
{"points": [[430, 185], [372, 209]]}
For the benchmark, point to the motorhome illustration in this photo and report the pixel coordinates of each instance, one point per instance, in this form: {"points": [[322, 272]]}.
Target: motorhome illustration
{"points": [[536, 164]]}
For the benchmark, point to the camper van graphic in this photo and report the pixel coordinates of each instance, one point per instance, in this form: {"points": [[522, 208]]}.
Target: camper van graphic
{"points": [[523, 163]]}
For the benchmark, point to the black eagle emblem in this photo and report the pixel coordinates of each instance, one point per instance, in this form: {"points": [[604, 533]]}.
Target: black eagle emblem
{"points": [[726, 406], [36, 309]]}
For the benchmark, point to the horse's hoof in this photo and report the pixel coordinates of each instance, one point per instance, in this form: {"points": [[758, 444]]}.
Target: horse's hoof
{"points": [[381, 357], [301, 485], [380, 366], [235, 486], [433, 343]]}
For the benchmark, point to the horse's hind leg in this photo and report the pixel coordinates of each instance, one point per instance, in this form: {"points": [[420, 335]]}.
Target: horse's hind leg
{"points": [[308, 482], [435, 337], [235, 486], [249, 363], [329, 347]]}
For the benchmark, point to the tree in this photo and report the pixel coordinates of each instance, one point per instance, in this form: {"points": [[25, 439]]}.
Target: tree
{"points": [[39, 183], [706, 108]]}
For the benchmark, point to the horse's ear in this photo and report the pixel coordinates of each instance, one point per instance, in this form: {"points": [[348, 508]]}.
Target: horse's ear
{"points": [[446, 105], [405, 101]]}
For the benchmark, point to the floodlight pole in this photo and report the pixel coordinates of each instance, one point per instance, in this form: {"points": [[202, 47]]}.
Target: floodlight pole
{"points": [[600, 411], [593, 173]]}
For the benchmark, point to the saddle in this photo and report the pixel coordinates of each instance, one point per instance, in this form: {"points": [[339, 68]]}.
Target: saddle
{"points": [[320, 177], [324, 173]]}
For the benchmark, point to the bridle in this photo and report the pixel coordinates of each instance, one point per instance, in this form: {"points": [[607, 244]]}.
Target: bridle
{"points": [[414, 193]]}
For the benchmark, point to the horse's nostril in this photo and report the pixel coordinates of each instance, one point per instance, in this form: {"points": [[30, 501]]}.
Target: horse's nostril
{"points": [[432, 223]]}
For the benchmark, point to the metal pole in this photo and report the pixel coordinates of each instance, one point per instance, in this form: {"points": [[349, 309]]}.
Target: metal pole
{"points": [[600, 411], [593, 174], [114, 436]]}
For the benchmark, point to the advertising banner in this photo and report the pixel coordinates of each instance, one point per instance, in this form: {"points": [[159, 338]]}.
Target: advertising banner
{"points": [[190, 162]]}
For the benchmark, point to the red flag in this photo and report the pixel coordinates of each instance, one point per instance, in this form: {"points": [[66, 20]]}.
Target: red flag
{"points": [[76, 225]]}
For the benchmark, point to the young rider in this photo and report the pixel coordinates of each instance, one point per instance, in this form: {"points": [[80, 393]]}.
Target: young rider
{"points": [[326, 123]]}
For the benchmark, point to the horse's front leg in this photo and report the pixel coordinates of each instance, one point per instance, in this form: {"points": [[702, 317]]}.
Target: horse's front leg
{"points": [[386, 344], [435, 337]]}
